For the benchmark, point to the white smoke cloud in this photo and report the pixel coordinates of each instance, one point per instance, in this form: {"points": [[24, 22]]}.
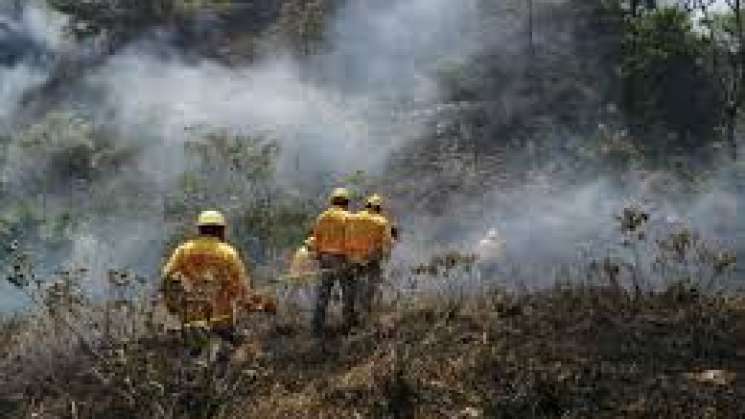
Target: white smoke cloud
{"points": [[332, 114], [27, 45], [334, 111], [337, 112], [44, 26], [14, 82]]}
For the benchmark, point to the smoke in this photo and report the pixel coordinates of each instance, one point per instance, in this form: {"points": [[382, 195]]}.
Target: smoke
{"points": [[375, 90], [551, 210], [334, 109], [332, 114], [27, 46]]}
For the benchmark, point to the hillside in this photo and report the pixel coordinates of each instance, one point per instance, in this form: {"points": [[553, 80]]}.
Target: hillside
{"points": [[599, 142], [572, 351]]}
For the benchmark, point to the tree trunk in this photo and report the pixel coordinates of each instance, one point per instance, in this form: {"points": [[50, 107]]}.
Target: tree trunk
{"points": [[733, 143], [531, 41], [730, 126], [740, 67], [634, 7]]}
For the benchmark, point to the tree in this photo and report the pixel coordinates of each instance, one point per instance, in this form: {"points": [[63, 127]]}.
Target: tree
{"points": [[726, 40], [237, 173], [668, 89], [118, 22], [303, 23], [635, 6]]}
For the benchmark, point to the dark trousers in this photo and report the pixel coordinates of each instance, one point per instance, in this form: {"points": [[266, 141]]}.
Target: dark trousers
{"points": [[370, 276], [334, 268]]}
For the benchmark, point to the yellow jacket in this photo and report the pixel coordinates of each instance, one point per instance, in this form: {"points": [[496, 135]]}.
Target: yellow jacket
{"points": [[368, 237], [330, 231], [387, 233], [303, 262], [213, 279]]}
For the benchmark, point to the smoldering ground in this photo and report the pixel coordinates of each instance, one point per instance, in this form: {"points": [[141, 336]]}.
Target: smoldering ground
{"points": [[342, 110]]}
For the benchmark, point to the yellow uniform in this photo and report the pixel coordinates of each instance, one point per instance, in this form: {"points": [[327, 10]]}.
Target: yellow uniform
{"points": [[330, 232], [368, 237], [213, 278], [491, 248], [303, 263], [387, 241]]}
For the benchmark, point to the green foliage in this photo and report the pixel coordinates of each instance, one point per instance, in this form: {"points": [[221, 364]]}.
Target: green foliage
{"points": [[244, 25], [60, 132], [303, 23], [58, 148], [125, 18], [659, 37], [667, 87], [237, 174], [119, 17]]}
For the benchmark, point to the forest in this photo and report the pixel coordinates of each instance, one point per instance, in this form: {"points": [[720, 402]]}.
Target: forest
{"points": [[602, 140]]}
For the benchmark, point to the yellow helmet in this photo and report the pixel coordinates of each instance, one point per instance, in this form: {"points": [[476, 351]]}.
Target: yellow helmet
{"points": [[374, 200], [339, 194], [211, 218]]}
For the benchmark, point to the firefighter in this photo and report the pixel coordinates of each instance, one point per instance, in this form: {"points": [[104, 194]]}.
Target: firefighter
{"points": [[375, 202], [330, 233], [205, 280], [491, 247], [369, 240], [303, 271], [490, 254], [377, 208], [303, 262]]}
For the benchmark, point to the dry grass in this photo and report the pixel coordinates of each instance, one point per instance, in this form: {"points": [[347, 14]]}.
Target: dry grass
{"points": [[572, 351], [442, 343], [567, 352]]}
